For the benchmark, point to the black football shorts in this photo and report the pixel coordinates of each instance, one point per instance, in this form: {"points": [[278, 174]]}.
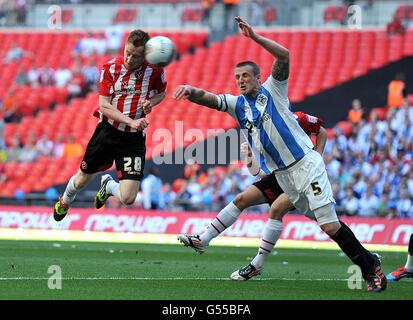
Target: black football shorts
{"points": [[109, 144], [269, 187]]}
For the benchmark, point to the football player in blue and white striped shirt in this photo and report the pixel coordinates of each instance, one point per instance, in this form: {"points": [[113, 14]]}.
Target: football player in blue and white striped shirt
{"points": [[281, 147]]}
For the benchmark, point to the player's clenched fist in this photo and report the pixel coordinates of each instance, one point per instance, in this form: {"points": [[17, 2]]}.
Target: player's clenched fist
{"points": [[146, 106], [182, 92], [139, 124], [245, 149]]}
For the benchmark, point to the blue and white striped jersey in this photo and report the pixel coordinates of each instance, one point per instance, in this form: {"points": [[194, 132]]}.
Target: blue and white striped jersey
{"points": [[273, 133]]}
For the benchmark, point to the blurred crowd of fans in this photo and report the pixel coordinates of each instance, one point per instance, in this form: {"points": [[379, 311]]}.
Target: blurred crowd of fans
{"points": [[14, 12], [79, 78]]}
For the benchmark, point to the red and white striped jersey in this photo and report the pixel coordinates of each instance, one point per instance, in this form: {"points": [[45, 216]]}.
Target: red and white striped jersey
{"points": [[127, 88], [310, 124]]}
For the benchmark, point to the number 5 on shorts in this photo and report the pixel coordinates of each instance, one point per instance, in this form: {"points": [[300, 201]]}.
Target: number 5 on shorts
{"points": [[137, 164], [316, 189]]}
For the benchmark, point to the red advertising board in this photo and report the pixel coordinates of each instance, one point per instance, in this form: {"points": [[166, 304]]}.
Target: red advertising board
{"points": [[295, 227]]}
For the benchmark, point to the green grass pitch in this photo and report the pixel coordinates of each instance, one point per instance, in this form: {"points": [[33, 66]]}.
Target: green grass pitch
{"points": [[173, 272]]}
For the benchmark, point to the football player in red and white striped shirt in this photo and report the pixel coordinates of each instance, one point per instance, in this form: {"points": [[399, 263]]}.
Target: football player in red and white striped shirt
{"points": [[128, 89]]}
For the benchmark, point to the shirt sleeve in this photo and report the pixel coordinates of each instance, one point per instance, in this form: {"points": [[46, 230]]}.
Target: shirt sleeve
{"points": [[227, 103], [311, 124], [278, 89], [105, 82]]}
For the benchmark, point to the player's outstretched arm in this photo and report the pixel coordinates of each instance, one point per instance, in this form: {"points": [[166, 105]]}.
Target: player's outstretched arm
{"points": [[281, 67], [196, 95], [320, 141]]}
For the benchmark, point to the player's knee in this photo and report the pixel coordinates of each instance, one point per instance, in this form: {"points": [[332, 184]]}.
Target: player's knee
{"points": [[276, 213], [81, 180], [331, 228], [128, 199], [240, 201]]}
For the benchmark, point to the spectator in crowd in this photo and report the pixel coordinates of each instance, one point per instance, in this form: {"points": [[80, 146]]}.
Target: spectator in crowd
{"points": [[76, 51], [256, 12], [33, 75], [350, 203], [91, 75], [21, 77], [46, 75], [191, 169], [230, 11], [369, 204], [29, 152], [396, 91], [395, 26], [183, 198], [11, 106], [404, 205], [6, 6], [63, 75], [384, 207], [87, 45], [168, 196], [51, 194], [20, 7], [15, 53], [58, 146], [355, 114], [152, 190], [206, 12], [270, 15], [72, 149], [101, 44], [77, 84], [44, 146], [13, 152], [114, 37]]}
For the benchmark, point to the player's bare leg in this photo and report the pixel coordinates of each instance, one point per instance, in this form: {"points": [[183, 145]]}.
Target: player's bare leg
{"points": [[75, 184], [225, 218], [271, 234]]}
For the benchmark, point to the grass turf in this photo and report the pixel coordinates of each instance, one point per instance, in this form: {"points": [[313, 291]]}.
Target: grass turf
{"points": [[168, 272]]}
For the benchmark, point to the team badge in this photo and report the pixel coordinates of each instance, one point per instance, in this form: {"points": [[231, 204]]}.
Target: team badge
{"points": [[262, 100]]}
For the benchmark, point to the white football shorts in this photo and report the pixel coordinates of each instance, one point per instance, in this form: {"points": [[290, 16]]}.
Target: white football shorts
{"points": [[307, 186]]}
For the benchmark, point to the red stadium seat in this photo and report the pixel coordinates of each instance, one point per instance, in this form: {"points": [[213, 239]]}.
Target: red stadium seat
{"points": [[346, 126], [381, 113]]}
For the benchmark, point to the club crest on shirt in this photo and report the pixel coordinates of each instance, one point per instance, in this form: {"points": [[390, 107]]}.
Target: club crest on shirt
{"points": [[262, 100], [139, 74]]}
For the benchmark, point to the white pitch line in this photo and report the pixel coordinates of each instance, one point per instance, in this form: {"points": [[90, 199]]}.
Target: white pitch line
{"points": [[163, 279]]}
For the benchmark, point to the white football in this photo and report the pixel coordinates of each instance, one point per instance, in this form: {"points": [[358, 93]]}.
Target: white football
{"points": [[160, 51]]}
